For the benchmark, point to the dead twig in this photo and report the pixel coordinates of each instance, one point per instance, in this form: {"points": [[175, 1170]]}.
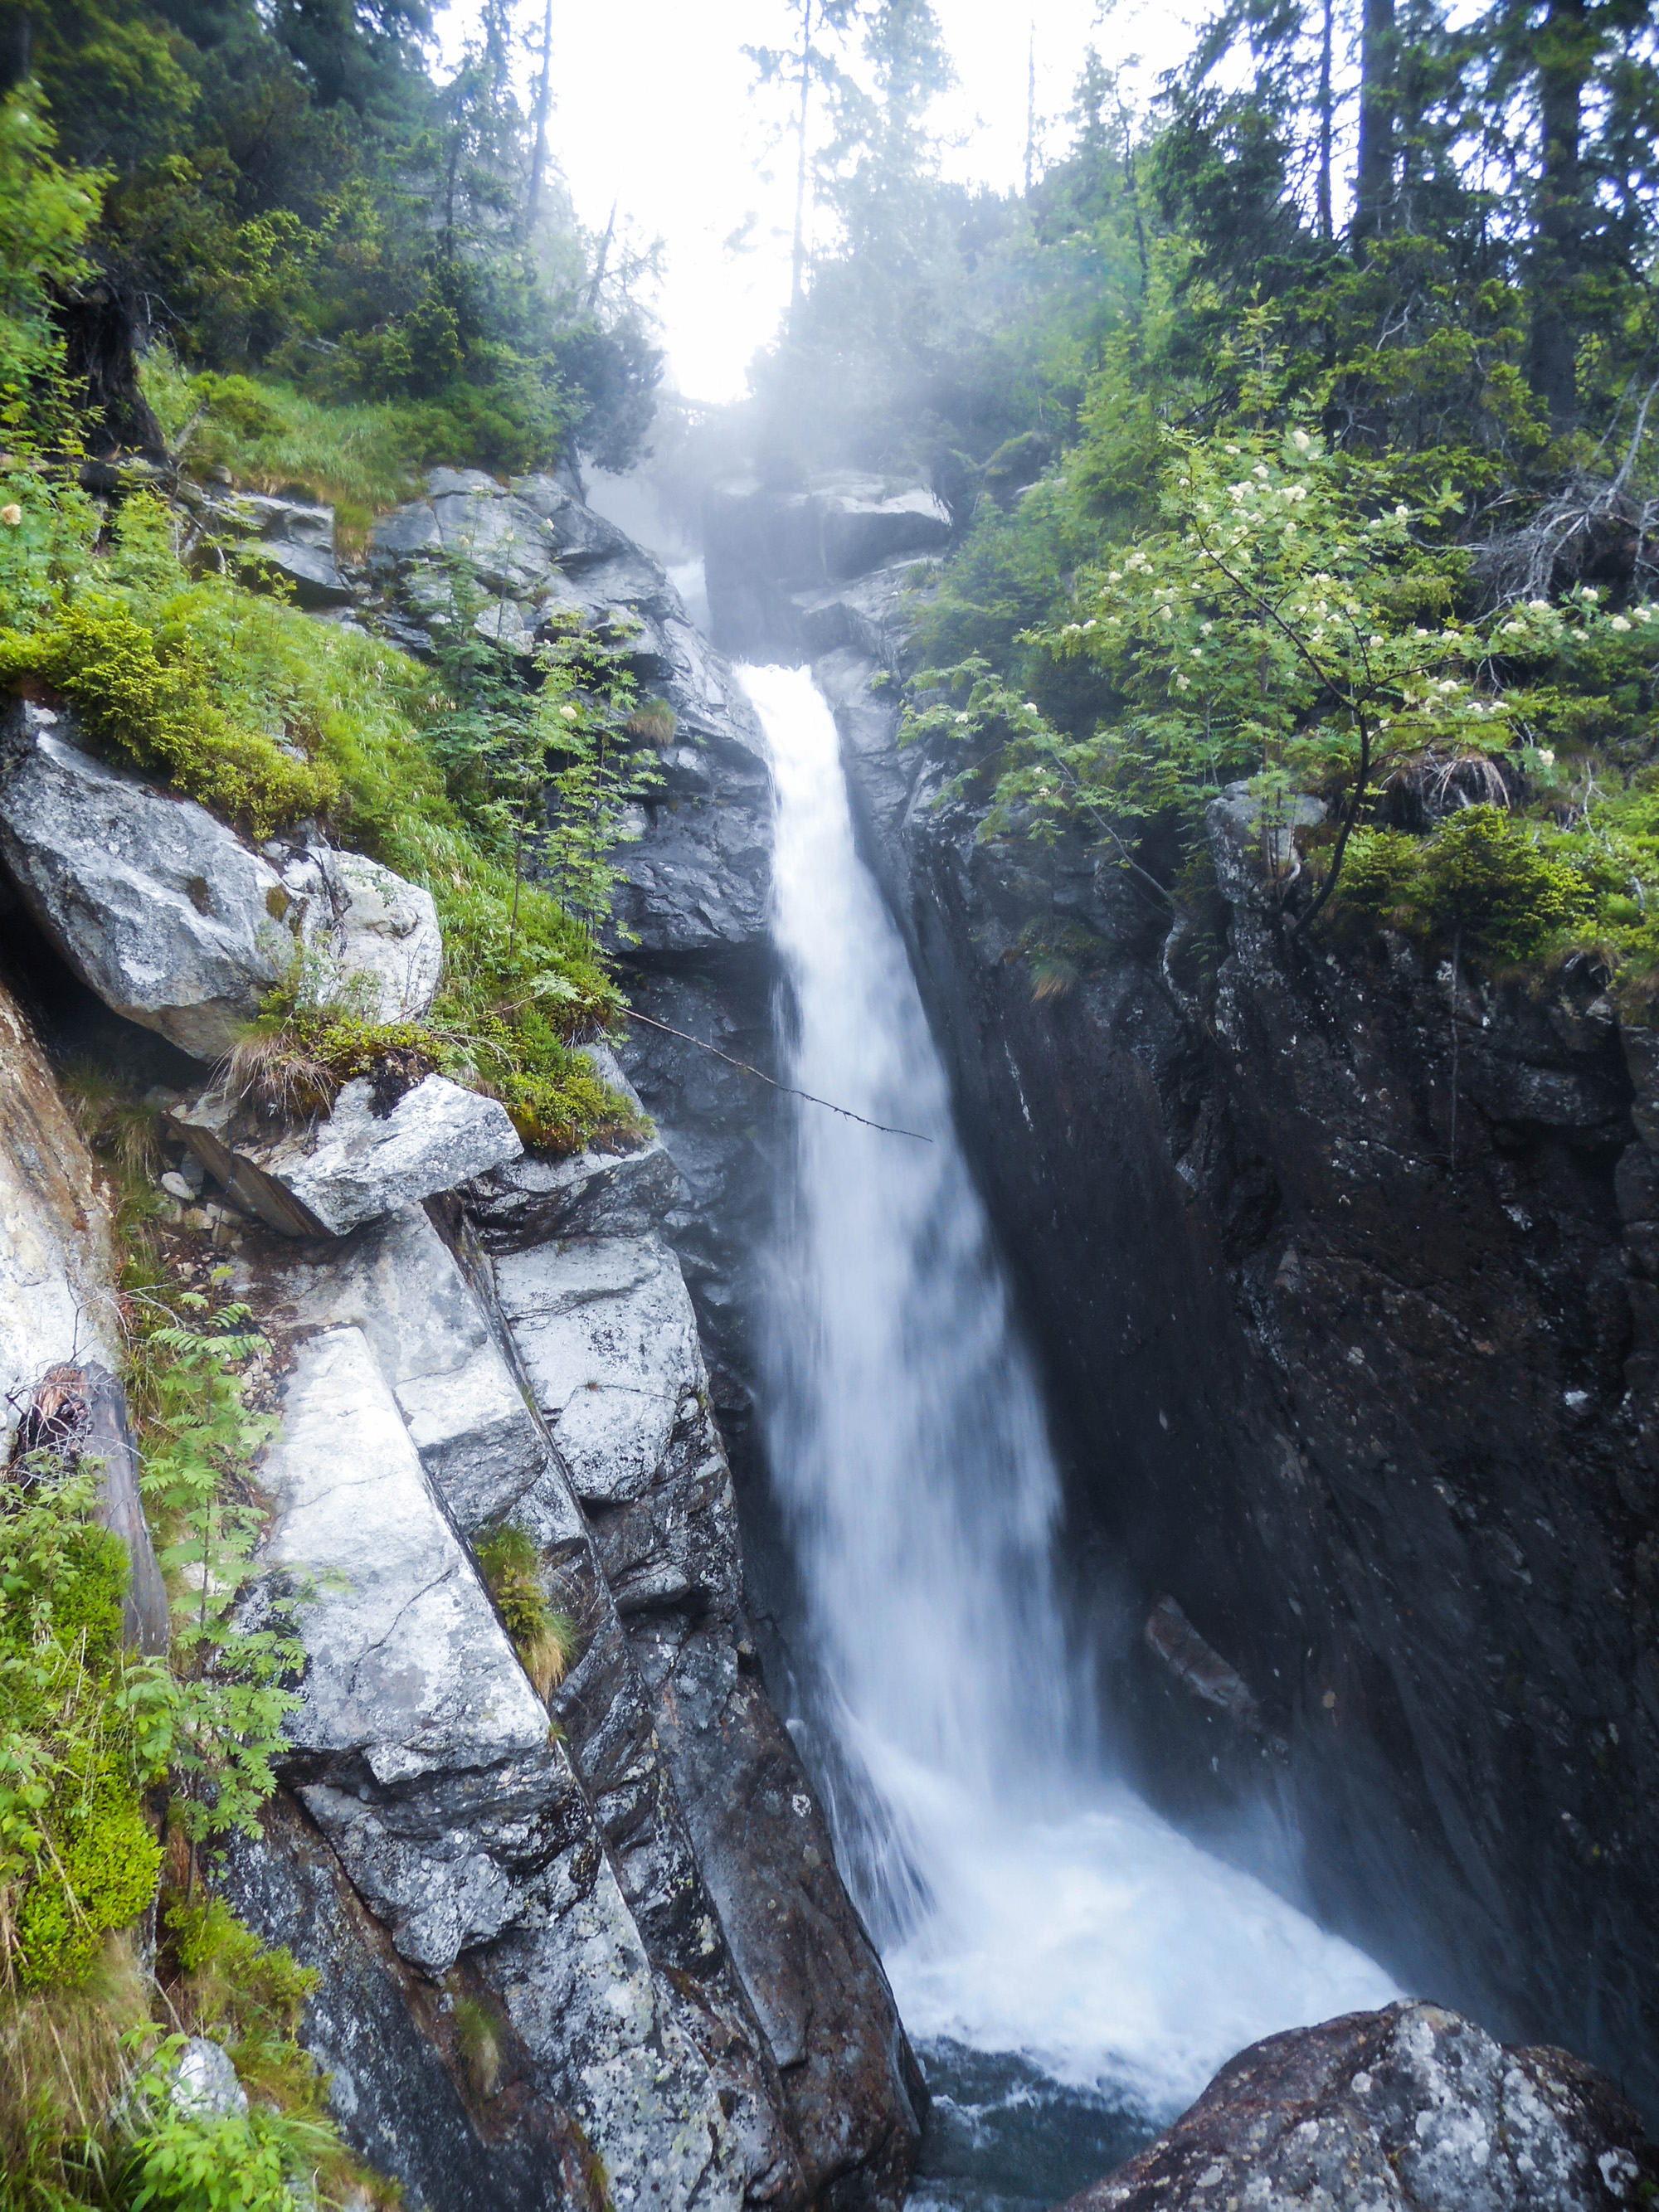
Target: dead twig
{"points": [[788, 1089]]}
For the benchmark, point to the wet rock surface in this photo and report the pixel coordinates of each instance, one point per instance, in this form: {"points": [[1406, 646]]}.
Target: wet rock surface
{"points": [[1412, 2108], [626, 1869], [170, 917]]}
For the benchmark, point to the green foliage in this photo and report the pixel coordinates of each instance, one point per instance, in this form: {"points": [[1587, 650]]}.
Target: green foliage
{"points": [[224, 1720], [47, 211], [312, 205], [548, 776], [1482, 878], [64, 2060], [1281, 616], [545, 1639], [152, 703], [83, 1731], [361, 455]]}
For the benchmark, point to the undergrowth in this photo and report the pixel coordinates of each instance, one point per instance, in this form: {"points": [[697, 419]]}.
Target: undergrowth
{"points": [[101, 1748], [270, 719], [360, 456]]}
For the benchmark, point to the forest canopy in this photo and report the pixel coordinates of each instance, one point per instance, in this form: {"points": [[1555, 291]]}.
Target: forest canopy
{"points": [[291, 193], [1298, 427]]}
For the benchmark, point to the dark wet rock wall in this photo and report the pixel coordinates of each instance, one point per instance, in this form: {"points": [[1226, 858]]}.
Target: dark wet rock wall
{"points": [[1378, 1417]]}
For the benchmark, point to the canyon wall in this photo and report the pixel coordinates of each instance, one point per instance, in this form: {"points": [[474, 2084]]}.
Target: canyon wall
{"points": [[1359, 1428], [581, 1940]]}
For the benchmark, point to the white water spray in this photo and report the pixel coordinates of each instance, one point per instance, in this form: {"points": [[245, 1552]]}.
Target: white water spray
{"points": [[1024, 1902]]}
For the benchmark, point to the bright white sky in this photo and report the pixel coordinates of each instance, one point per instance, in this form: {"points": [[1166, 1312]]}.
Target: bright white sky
{"points": [[655, 112]]}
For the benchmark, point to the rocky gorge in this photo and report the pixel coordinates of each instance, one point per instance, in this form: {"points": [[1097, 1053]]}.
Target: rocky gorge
{"points": [[1336, 1592], [627, 1877], [1335, 1265]]}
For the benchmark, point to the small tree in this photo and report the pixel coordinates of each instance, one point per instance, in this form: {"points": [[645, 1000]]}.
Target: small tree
{"points": [[1285, 624]]}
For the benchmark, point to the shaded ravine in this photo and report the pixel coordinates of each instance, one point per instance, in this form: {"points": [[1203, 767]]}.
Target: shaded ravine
{"points": [[1071, 1969]]}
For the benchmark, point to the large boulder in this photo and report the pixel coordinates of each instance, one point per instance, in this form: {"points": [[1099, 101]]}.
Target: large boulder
{"points": [[57, 1251], [425, 1746], [1408, 2110], [172, 921], [372, 939], [168, 915], [325, 1177]]}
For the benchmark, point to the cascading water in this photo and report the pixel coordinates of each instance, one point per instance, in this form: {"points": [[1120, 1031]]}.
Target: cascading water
{"points": [[1072, 1970]]}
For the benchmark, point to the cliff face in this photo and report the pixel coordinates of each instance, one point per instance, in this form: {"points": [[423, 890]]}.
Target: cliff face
{"points": [[624, 1873], [1378, 1417], [1356, 1400]]}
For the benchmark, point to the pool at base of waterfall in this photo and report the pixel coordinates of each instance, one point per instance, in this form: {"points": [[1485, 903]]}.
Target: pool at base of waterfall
{"points": [[1003, 2136]]}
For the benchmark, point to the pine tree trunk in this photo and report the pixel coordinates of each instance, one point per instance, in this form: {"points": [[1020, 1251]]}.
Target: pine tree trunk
{"points": [[1325, 125], [1563, 51], [798, 256], [1373, 210], [544, 100]]}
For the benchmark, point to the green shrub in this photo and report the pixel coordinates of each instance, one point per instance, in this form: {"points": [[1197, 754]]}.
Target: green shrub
{"points": [[543, 1638], [102, 1874], [1380, 878], [77, 1859], [155, 707], [1485, 874], [1481, 876]]}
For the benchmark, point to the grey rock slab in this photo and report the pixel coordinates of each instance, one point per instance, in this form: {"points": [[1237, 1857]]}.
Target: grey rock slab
{"points": [[1409, 2110], [394, 2088], [607, 1334], [507, 541], [173, 921], [158, 908], [406, 532], [421, 1751], [330, 1175], [579, 1991], [399, 1283], [312, 572], [409, 1667], [579, 534], [851, 2087], [372, 938]]}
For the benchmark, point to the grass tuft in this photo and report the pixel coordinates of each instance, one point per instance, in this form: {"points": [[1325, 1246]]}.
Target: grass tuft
{"points": [[478, 2040], [546, 1640]]}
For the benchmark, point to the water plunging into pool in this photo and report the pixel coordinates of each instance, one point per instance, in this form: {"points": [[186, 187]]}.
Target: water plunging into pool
{"points": [[1070, 1969]]}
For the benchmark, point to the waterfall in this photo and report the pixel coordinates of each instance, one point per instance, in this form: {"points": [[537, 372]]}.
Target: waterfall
{"points": [[1027, 1904]]}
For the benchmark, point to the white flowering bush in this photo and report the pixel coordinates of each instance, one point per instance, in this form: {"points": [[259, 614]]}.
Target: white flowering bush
{"points": [[1287, 623]]}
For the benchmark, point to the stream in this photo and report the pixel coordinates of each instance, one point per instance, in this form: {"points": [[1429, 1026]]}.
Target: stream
{"points": [[1070, 1969]]}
